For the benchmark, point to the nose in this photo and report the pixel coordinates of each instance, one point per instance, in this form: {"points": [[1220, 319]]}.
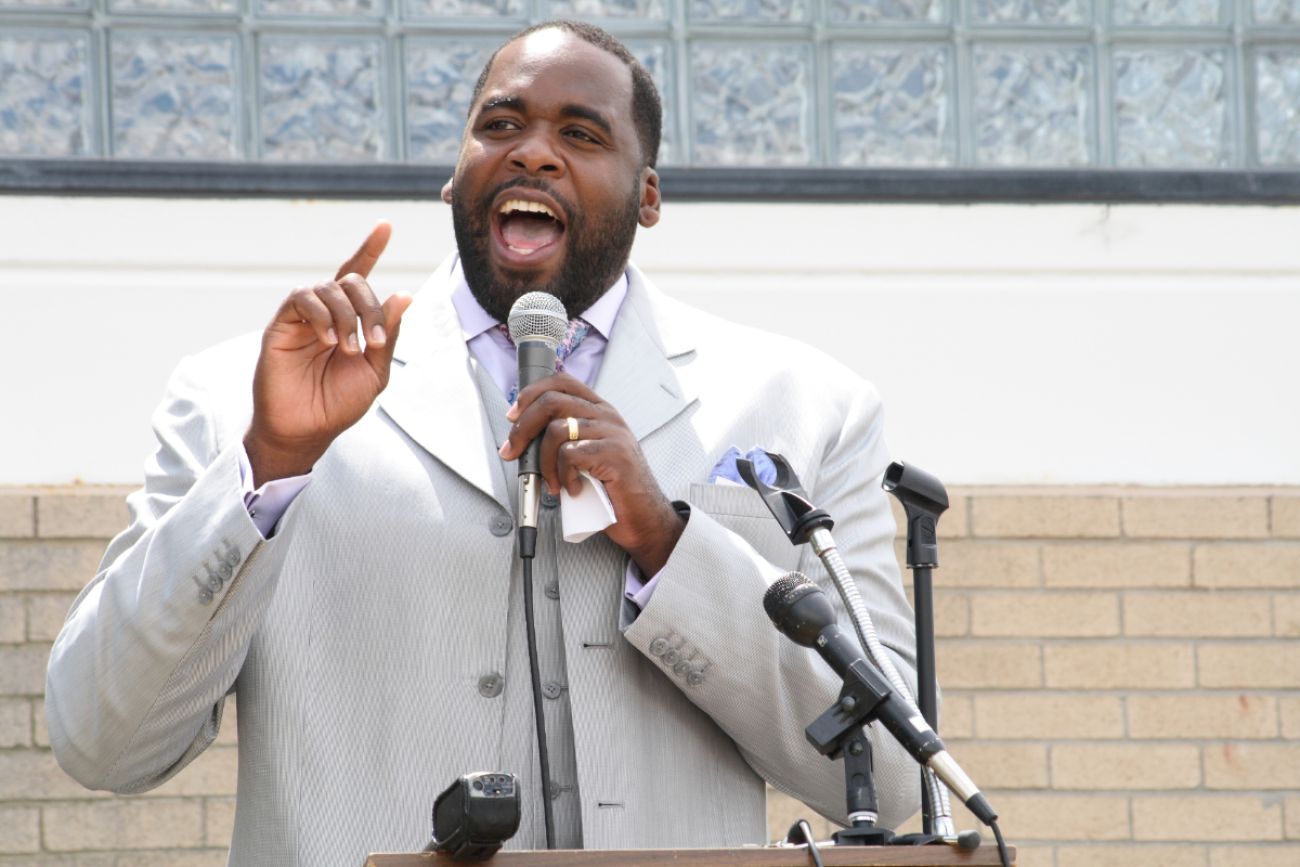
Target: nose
{"points": [[535, 154]]}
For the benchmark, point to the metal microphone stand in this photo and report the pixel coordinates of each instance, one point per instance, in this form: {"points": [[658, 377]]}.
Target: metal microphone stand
{"points": [[841, 732], [924, 499]]}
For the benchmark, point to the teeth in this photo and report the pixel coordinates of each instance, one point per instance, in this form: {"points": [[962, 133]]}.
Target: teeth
{"points": [[520, 205], [521, 251]]}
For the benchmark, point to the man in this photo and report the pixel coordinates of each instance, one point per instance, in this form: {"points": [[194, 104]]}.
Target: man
{"points": [[339, 554]]}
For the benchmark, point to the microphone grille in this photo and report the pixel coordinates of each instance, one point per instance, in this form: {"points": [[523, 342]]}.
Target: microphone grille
{"points": [[538, 316], [779, 593]]}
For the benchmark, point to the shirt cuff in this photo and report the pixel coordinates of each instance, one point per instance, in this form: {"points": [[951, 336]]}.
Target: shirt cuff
{"points": [[636, 589], [267, 505]]}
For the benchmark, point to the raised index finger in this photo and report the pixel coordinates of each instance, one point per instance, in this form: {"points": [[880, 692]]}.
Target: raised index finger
{"points": [[369, 252]]}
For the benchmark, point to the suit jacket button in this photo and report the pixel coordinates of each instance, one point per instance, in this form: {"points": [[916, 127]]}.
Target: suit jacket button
{"points": [[552, 690], [658, 646], [552, 589], [695, 678], [681, 668], [490, 685], [501, 525], [671, 656], [550, 501]]}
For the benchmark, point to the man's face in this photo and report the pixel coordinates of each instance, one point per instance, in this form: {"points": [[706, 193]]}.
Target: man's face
{"points": [[550, 184]]}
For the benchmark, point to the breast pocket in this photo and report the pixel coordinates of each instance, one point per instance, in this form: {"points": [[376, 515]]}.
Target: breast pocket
{"points": [[742, 511]]}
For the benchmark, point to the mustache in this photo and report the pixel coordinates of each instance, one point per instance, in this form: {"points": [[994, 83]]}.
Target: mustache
{"points": [[485, 202]]}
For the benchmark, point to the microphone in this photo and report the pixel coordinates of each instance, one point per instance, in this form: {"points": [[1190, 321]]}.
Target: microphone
{"points": [[537, 323], [801, 611]]}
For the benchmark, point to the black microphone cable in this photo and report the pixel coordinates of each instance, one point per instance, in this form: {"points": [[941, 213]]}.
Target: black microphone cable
{"points": [[539, 710], [1002, 844]]}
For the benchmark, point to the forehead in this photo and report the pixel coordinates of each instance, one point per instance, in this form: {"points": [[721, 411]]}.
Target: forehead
{"points": [[552, 68]]}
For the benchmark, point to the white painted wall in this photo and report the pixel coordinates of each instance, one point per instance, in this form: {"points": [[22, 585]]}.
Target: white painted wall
{"points": [[1012, 344]]}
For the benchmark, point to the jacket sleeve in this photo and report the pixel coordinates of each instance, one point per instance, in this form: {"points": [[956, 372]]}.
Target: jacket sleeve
{"points": [[139, 672], [760, 687]]}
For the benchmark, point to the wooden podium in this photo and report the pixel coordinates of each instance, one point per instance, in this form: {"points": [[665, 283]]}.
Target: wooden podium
{"points": [[843, 856]]}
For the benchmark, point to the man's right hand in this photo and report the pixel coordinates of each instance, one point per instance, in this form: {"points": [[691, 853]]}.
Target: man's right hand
{"points": [[313, 380]]}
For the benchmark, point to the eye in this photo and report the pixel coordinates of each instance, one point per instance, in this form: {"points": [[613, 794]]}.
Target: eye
{"points": [[500, 123], [582, 135]]}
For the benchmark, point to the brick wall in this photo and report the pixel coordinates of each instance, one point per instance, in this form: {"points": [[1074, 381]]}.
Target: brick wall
{"points": [[1121, 673]]}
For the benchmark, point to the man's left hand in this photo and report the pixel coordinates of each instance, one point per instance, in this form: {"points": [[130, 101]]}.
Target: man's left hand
{"points": [[648, 526]]}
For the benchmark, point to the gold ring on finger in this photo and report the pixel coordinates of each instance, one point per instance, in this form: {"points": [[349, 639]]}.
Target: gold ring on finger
{"points": [[573, 429]]}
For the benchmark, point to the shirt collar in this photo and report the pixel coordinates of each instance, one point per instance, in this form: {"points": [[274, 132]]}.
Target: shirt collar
{"points": [[474, 320]]}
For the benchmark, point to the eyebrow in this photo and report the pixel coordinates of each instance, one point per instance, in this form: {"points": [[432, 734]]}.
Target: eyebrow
{"points": [[513, 102], [516, 103]]}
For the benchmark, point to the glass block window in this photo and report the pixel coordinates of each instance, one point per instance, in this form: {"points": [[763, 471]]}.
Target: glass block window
{"points": [[174, 95], [767, 84]]}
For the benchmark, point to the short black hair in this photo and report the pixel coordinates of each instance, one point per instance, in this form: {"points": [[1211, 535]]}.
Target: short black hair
{"points": [[647, 108]]}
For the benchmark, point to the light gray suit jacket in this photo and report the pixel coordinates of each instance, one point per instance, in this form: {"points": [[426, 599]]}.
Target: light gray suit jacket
{"points": [[355, 638]]}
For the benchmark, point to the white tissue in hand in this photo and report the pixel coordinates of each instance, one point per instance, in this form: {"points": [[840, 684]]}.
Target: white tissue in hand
{"points": [[587, 512]]}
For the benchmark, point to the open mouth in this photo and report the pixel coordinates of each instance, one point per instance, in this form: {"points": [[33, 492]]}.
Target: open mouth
{"points": [[527, 227]]}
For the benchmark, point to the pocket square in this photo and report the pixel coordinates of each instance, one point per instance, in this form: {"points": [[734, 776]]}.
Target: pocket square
{"points": [[724, 472]]}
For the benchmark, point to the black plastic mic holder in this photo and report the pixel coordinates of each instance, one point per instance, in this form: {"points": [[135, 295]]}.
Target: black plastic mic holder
{"points": [[787, 500], [924, 499]]}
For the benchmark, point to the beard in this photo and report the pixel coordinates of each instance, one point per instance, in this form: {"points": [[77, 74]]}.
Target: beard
{"points": [[596, 253]]}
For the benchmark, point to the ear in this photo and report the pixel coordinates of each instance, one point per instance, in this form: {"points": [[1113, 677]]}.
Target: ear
{"points": [[649, 197], [446, 192]]}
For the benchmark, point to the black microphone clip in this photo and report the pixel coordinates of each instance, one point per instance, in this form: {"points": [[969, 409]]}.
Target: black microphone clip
{"points": [[864, 691], [786, 500], [924, 499]]}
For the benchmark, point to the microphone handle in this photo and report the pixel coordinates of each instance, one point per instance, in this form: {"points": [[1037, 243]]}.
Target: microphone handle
{"points": [[536, 362]]}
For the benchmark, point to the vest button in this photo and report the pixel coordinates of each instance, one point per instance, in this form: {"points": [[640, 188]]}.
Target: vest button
{"points": [[550, 501], [552, 589], [490, 685]]}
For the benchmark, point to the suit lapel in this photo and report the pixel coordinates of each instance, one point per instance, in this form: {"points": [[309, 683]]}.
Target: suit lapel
{"points": [[431, 393], [637, 374]]}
